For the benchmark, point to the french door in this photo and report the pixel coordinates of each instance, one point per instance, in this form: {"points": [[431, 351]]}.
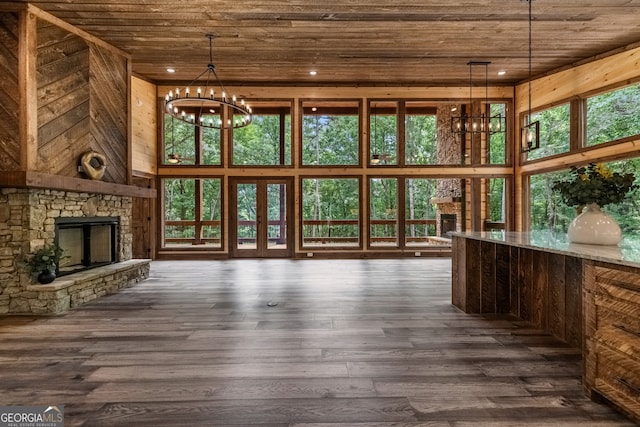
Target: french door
{"points": [[260, 217]]}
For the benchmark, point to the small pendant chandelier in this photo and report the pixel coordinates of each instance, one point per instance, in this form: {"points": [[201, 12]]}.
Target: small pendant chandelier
{"points": [[530, 132], [203, 108], [483, 122]]}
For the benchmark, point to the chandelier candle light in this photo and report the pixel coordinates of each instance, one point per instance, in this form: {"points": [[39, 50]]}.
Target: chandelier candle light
{"points": [[483, 122], [202, 107]]}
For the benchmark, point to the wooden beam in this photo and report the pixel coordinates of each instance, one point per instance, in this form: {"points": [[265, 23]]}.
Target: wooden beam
{"points": [[30, 179], [27, 82], [75, 30]]}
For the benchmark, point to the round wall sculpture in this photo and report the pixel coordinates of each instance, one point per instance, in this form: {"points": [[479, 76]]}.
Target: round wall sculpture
{"points": [[93, 164]]}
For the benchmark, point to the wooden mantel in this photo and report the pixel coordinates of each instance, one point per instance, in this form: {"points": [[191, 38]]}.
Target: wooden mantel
{"points": [[31, 179]]}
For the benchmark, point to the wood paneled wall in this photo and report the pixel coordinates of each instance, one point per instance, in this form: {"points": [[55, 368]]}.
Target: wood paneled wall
{"points": [[604, 72], [109, 111], [9, 93], [144, 127], [63, 99], [63, 93]]}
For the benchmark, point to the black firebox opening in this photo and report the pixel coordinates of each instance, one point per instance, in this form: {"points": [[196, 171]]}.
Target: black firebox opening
{"points": [[447, 224], [87, 242]]}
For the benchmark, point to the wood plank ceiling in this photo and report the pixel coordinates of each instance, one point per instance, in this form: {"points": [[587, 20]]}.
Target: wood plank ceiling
{"points": [[361, 42]]}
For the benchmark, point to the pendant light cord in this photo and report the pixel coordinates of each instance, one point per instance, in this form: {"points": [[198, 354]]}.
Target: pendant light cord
{"points": [[530, 54]]}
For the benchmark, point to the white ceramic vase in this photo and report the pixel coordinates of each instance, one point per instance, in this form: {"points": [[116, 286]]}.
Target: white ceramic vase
{"points": [[594, 227]]}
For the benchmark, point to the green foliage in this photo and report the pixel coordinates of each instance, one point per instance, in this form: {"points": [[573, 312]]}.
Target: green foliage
{"points": [[613, 115], [182, 139], [554, 131], [45, 258], [328, 200], [421, 140], [330, 140], [260, 145], [546, 207], [384, 141], [418, 193], [496, 199], [610, 117], [211, 199], [550, 212], [384, 206], [497, 141], [179, 199], [594, 184]]}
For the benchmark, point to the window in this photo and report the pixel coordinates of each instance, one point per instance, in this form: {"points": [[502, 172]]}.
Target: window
{"points": [[383, 133], [496, 149], [330, 212], [420, 139], [192, 212], [210, 142], [179, 211], [187, 144], [613, 115], [267, 141], [383, 212], [211, 220], [496, 204], [548, 212], [554, 131], [330, 133], [419, 211]]}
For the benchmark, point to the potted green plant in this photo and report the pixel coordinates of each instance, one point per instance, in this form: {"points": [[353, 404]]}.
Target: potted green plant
{"points": [[44, 262], [588, 189], [594, 183]]}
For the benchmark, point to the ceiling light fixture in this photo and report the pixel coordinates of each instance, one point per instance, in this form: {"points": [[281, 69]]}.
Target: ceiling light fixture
{"points": [[483, 122], [199, 108], [530, 132]]}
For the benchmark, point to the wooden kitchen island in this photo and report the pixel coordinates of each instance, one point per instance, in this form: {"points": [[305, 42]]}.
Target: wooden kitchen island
{"points": [[587, 296]]}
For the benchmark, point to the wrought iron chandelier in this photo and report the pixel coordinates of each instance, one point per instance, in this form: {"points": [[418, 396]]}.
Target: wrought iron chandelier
{"points": [[530, 132], [203, 108], [483, 122]]}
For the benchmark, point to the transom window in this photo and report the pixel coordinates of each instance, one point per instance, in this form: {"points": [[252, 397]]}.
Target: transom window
{"points": [[267, 141], [330, 133], [613, 115]]}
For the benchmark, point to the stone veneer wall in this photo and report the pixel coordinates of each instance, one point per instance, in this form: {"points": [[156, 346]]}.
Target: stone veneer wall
{"points": [[449, 152], [27, 222]]}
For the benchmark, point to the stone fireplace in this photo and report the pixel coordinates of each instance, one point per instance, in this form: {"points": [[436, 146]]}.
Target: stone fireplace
{"points": [[31, 218], [448, 198], [448, 214]]}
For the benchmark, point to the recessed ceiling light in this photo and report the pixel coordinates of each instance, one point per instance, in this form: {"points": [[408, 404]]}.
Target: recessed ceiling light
{"points": [[502, 72], [313, 72], [171, 70]]}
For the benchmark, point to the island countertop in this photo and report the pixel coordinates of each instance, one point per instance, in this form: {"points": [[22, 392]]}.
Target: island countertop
{"points": [[587, 296], [627, 252]]}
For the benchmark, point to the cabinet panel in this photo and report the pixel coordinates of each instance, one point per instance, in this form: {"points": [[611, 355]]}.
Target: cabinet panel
{"points": [[612, 327]]}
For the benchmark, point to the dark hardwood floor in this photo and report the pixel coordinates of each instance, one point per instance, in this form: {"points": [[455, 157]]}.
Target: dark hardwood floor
{"points": [[293, 343]]}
